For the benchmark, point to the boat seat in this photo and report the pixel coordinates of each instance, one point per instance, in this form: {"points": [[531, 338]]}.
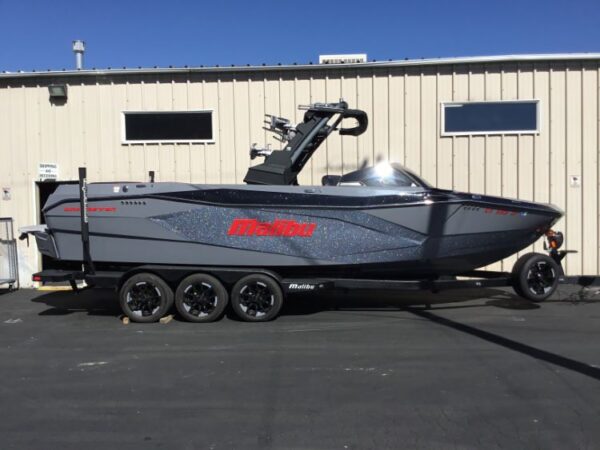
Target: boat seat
{"points": [[330, 180]]}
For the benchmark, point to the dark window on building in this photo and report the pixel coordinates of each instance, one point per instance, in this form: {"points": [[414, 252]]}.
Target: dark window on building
{"points": [[490, 117], [168, 126]]}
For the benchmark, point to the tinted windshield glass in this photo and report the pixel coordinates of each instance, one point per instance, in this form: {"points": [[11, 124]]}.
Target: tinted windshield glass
{"points": [[384, 175], [394, 179], [409, 173]]}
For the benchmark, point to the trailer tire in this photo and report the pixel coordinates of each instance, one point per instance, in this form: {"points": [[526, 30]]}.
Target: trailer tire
{"points": [[256, 298], [201, 298], [535, 276], [145, 298]]}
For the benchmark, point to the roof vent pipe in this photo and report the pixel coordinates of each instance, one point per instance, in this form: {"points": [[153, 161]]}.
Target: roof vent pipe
{"points": [[78, 49]]}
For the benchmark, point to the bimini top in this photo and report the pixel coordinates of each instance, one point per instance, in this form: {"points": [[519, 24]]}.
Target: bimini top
{"points": [[282, 167]]}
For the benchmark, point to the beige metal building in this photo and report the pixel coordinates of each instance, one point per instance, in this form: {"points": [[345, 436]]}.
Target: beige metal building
{"points": [[82, 120]]}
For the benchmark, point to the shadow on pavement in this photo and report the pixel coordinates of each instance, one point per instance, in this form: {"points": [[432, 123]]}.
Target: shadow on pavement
{"points": [[542, 355], [304, 304], [371, 301], [95, 302], [104, 302]]}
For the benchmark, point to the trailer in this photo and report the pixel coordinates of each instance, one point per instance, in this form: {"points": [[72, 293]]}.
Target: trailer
{"points": [[202, 293]]}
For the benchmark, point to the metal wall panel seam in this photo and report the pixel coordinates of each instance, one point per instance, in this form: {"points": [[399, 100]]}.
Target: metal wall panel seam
{"points": [[581, 160], [249, 107], [470, 138], [452, 161], [502, 168], [204, 146], [234, 136], [219, 128], [437, 125], [189, 144], [550, 126], [566, 159], [389, 116], [404, 119], [421, 149], [326, 168]]}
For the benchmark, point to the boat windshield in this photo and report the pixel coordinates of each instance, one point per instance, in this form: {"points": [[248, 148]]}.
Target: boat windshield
{"points": [[383, 175]]}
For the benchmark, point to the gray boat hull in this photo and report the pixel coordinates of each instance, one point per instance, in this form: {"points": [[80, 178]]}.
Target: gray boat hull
{"points": [[413, 232]]}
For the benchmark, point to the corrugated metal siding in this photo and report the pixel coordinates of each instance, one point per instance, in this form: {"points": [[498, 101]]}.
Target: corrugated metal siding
{"points": [[403, 104]]}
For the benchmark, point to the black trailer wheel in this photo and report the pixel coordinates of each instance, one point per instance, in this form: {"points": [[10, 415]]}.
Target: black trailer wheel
{"points": [[256, 298], [535, 276], [201, 298], [145, 298]]}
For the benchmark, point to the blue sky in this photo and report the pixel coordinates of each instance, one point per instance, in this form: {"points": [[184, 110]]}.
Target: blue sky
{"points": [[38, 34]]}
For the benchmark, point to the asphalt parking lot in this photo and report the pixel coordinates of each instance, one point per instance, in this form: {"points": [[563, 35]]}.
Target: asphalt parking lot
{"points": [[343, 371]]}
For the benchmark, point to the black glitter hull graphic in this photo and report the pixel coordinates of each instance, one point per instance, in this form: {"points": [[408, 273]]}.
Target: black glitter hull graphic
{"points": [[414, 232]]}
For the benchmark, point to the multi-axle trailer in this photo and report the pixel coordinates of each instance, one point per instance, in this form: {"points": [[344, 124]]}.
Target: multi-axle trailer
{"points": [[202, 293]]}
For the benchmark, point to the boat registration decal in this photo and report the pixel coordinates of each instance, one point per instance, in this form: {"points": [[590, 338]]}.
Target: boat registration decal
{"points": [[284, 228]]}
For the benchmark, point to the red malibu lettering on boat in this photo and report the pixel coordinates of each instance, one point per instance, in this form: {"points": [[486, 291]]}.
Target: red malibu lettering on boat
{"points": [[90, 209], [500, 212], [285, 228]]}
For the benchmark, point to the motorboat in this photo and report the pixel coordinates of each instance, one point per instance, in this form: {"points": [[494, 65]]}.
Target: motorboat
{"points": [[203, 247], [383, 220]]}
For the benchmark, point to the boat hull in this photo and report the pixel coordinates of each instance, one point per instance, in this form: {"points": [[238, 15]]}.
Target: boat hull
{"points": [[298, 230]]}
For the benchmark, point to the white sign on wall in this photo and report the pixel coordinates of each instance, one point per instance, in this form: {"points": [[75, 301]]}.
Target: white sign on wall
{"points": [[343, 59], [48, 171]]}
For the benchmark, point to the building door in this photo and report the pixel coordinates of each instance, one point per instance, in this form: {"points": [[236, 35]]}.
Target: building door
{"points": [[44, 190]]}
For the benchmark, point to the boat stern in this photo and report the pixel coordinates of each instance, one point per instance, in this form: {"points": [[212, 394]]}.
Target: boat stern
{"points": [[43, 239]]}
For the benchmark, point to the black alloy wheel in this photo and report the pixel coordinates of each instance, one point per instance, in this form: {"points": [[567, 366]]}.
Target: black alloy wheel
{"points": [[201, 298], [257, 298], [536, 276], [145, 298]]}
